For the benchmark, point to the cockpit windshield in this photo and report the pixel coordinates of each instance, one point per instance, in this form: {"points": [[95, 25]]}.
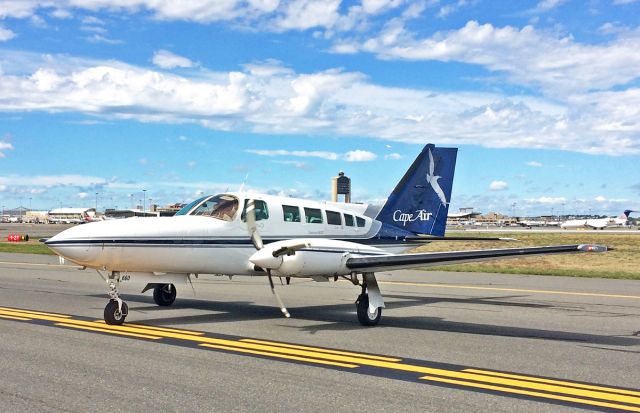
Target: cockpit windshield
{"points": [[185, 209], [222, 207]]}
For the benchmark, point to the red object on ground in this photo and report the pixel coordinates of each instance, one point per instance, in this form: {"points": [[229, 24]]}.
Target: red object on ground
{"points": [[17, 238]]}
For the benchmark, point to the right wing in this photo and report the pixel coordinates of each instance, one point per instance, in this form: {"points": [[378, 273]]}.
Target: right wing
{"points": [[428, 259]]}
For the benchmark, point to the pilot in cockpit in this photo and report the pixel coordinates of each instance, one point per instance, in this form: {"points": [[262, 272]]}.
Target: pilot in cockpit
{"points": [[225, 210]]}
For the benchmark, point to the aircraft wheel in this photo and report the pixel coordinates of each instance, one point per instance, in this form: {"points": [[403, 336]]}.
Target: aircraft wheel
{"points": [[366, 317], [164, 294], [112, 315]]}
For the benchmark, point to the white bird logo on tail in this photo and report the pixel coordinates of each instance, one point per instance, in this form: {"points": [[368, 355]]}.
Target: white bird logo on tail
{"points": [[433, 180]]}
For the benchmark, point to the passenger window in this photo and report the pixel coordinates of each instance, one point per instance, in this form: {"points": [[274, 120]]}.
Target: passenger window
{"points": [[291, 213], [333, 218], [348, 220], [360, 221], [262, 212], [313, 216]]}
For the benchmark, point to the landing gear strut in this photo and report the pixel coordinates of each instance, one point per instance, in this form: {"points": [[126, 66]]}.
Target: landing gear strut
{"points": [[116, 310], [164, 294]]}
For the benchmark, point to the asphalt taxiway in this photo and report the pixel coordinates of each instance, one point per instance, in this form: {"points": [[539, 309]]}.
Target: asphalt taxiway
{"points": [[446, 342]]}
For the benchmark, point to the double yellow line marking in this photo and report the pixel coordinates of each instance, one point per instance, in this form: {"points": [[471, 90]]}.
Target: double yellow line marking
{"points": [[469, 378]]}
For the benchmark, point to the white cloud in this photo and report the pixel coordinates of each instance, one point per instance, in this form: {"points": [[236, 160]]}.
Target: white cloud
{"points": [[393, 156], [498, 186], [332, 156], [52, 180], [549, 200], [277, 100], [350, 156], [379, 6], [18, 9], [534, 164], [359, 156], [295, 164], [600, 198], [447, 9], [167, 60], [528, 56], [3, 147], [98, 38], [92, 20], [82, 195], [305, 14], [546, 5], [61, 14], [6, 34]]}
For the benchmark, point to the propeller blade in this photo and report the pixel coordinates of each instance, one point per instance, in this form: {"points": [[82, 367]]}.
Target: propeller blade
{"points": [[251, 225], [275, 293], [257, 243]]}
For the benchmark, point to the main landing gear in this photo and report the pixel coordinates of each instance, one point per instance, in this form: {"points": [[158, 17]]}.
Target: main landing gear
{"points": [[164, 294], [116, 310], [369, 303]]}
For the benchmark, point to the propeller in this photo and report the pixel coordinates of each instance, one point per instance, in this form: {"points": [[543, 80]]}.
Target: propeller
{"points": [[257, 243]]}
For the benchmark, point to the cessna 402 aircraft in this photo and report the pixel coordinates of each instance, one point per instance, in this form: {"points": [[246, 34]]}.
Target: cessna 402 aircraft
{"points": [[272, 236]]}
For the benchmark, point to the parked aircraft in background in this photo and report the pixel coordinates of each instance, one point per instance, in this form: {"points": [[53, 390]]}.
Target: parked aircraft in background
{"points": [[598, 223], [530, 223], [251, 234]]}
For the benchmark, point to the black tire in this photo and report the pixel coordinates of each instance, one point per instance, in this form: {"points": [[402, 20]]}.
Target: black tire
{"points": [[164, 294], [112, 315], [364, 316]]}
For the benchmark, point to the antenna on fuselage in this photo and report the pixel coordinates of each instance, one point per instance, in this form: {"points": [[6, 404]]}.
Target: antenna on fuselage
{"points": [[241, 189]]}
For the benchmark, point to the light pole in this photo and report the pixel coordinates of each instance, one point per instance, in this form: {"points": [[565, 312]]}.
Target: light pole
{"points": [[29, 203], [144, 200], [96, 202], [131, 199]]}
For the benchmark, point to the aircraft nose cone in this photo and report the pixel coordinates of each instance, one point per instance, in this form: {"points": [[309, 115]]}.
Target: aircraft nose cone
{"points": [[72, 245]]}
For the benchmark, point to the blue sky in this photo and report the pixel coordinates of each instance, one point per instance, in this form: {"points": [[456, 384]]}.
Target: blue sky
{"points": [[185, 98]]}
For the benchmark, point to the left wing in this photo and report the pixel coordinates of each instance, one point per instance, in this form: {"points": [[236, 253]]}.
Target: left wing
{"points": [[429, 259]]}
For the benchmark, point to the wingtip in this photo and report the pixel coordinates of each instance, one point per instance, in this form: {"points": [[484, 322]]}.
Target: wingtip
{"points": [[593, 248]]}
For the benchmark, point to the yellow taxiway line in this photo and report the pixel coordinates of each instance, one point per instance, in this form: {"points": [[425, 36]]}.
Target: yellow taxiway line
{"points": [[503, 383]]}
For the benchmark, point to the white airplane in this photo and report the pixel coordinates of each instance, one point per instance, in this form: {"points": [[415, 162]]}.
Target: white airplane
{"points": [[598, 223], [260, 235]]}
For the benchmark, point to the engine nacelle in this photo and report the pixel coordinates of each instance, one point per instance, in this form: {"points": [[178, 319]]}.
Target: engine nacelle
{"points": [[308, 257]]}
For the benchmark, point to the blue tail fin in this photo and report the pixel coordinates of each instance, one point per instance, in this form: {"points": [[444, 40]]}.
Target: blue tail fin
{"points": [[420, 202]]}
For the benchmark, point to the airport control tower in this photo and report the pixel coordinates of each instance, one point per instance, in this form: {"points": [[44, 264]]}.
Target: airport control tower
{"points": [[341, 185]]}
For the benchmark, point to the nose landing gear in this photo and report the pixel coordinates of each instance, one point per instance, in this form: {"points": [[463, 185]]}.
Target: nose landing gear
{"points": [[116, 310]]}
